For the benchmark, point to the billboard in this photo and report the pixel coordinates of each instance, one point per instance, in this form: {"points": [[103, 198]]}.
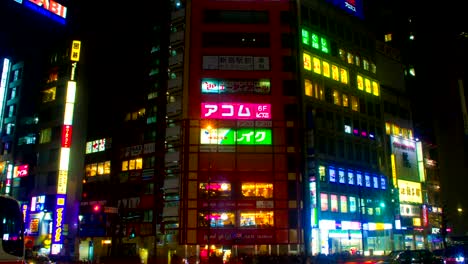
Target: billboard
{"points": [[48, 8], [410, 191], [220, 86], [406, 166], [231, 136], [235, 111], [353, 7]]}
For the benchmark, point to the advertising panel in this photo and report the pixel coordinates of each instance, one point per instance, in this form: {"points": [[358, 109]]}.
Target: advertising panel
{"points": [[410, 191], [220, 86], [239, 63], [21, 170], [231, 136], [229, 236], [235, 111], [57, 227], [353, 7], [48, 8], [406, 164]]}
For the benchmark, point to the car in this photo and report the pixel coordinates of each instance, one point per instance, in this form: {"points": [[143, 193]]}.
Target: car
{"points": [[39, 259], [419, 256], [451, 255]]}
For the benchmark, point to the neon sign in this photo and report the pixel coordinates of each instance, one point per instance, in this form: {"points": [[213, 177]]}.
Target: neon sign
{"points": [[66, 136], [57, 227], [21, 170], [52, 7], [241, 136], [219, 86], [353, 7], [235, 111]]}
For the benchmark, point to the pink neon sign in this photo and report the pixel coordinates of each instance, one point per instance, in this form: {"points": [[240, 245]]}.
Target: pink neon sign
{"points": [[235, 111]]}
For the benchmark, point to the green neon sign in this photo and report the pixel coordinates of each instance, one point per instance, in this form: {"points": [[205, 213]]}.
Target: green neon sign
{"points": [[241, 136]]}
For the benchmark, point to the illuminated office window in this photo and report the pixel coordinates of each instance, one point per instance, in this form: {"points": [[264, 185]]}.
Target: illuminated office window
{"points": [[343, 204], [335, 73], [342, 54], [367, 85], [45, 135], [125, 165], [350, 58], [263, 190], [308, 88], [388, 37], [217, 219], [323, 202], [336, 97], [326, 69], [316, 64], [344, 76], [324, 45], [307, 62], [354, 103], [375, 88], [388, 128], [360, 82], [352, 204], [258, 219], [215, 190], [305, 37], [345, 100], [322, 173], [334, 202], [315, 41]]}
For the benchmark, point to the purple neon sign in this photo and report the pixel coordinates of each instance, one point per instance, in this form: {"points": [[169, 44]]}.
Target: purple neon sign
{"points": [[235, 111]]}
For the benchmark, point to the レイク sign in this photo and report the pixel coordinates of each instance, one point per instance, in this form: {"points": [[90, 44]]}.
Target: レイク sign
{"points": [[235, 111], [241, 136]]}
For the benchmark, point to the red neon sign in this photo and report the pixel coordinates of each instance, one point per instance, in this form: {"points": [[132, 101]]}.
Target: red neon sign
{"points": [[66, 136], [51, 6], [235, 111], [21, 170]]}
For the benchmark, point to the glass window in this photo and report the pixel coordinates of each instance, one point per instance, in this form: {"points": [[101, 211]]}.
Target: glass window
{"points": [[375, 88], [344, 76], [350, 58], [323, 202], [335, 73], [359, 180], [139, 164], [91, 170], [324, 45], [48, 95], [264, 190], [345, 100], [352, 204], [315, 41], [354, 103], [217, 219], [342, 54], [45, 135], [305, 37], [350, 177], [125, 165], [316, 64], [360, 82], [326, 69], [307, 61], [319, 92], [257, 219], [367, 180], [332, 174], [100, 168], [322, 173], [131, 164], [308, 88], [367, 85], [334, 202], [215, 190], [341, 176], [343, 204], [336, 97]]}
